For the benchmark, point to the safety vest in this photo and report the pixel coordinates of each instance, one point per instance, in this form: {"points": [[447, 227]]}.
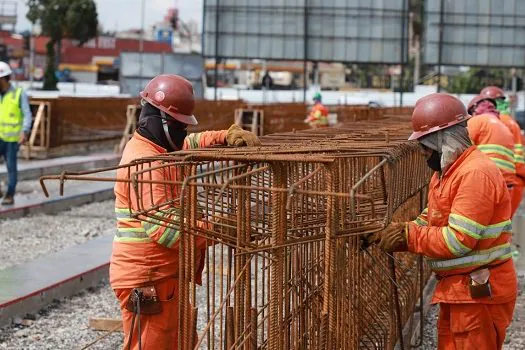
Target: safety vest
{"points": [[11, 117], [466, 226]]}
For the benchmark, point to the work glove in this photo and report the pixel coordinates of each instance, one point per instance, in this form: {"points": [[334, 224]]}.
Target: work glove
{"points": [[238, 137], [391, 239]]}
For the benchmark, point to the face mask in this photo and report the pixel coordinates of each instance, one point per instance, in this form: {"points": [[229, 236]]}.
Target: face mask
{"points": [[434, 161], [161, 130], [503, 106]]}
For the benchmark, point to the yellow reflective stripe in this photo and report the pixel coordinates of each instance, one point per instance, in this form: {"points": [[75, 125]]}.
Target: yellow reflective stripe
{"points": [[497, 149], [465, 225], [518, 146], [503, 164], [425, 211], [454, 245], [132, 240], [131, 229], [494, 231], [420, 222], [169, 237], [474, 258], [194, 139], [519, 158]]}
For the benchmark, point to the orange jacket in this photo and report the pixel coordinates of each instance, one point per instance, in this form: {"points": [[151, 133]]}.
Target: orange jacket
{"points": [[467, 226], [318, 115], [495, 140], [145, 251], [515, 129]]}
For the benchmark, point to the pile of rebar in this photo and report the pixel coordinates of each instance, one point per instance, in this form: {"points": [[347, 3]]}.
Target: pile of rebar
{"points": [[286, 264]]}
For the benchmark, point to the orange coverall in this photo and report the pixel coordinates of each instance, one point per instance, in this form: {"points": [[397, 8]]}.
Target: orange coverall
{"points": [[517, 192], [318, 116], [145, 254], [495, 140], [467, 227]]}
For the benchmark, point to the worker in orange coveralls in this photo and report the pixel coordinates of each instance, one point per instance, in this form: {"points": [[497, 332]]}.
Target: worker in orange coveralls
{"points": [[502, 105], [318, 116], [145, 261], [493, 138], [465, 231]]}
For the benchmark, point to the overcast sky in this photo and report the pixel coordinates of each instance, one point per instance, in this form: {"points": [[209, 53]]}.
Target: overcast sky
{"points": [[125, 14]]}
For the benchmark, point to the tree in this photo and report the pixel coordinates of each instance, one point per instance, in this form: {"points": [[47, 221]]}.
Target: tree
{"points": [[59, 19]]}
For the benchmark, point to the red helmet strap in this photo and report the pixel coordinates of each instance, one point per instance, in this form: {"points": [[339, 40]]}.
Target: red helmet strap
{"points": [[166, 131]]}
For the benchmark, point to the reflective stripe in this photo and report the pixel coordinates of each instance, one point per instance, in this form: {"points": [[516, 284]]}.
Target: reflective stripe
{"points": [[169, 237], [519, 158], [518, 146], [131, 234], [494, 231], [425, 211], [497, 149], [475, 230], [474, 258], [193, 140], [420, 222], [454, 245], [504, 164], [132, 240], [466, 226]]}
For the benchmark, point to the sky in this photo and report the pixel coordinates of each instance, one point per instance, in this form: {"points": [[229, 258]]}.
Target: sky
{"points": [[126, 14]]}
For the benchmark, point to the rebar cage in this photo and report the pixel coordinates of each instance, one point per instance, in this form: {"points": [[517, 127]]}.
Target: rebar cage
{"points": [[283, 227]]}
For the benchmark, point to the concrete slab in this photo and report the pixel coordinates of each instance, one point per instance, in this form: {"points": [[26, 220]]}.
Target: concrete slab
{"points": [[29, 287], [33, 169]]}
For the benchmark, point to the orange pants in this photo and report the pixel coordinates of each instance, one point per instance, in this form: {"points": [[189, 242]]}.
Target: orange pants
{"points": [[473, 326], [159, 332], [515, 198]]}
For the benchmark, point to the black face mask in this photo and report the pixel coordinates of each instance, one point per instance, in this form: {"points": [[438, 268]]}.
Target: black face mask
{"points": [[151, 126], [434, 161]]}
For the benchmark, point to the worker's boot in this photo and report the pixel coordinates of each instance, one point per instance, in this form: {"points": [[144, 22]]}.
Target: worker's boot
{"points": [[8, 200]]}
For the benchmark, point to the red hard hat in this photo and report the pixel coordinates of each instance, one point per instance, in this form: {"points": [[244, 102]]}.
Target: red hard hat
{"points": [[493, 92], [476, 100], [435, 112], [173, 95]]}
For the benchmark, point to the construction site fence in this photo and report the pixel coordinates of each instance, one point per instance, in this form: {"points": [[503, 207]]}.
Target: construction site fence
{"points": [[74, 120]]}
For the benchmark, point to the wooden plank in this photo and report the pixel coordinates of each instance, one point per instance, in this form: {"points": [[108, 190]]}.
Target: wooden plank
{"points": [[105, 324]]}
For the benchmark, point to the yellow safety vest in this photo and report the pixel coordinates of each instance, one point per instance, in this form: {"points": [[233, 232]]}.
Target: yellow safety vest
{"points": [[11, 117]]}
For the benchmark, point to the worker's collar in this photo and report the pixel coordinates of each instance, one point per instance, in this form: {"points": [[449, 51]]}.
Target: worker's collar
{"points": [[458, 161], [157, 147]]}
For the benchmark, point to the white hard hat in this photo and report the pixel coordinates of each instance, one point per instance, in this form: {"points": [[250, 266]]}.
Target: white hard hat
{"points": [[5, 70]]}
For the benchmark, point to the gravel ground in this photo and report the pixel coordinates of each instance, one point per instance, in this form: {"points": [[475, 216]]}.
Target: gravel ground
{"points": [[515, 339], [64, 324], [27, 238]]}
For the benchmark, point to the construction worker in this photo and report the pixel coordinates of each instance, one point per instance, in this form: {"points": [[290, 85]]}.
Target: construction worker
{"points": [[465, 231], [15, 126], [318, 116], [493, 138], [503, 107], [145, 261]]}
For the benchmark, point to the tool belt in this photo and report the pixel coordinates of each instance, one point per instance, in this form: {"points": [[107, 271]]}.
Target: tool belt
{"points": [[144, 300], [479, 285]]}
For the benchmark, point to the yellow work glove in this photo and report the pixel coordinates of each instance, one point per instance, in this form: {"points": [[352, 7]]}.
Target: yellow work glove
{"points": [[238, 137], [391, 239]]}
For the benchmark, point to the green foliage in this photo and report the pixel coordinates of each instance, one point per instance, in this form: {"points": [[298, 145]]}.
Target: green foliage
{"points": [[50, 79], [74, 19], [475, 79]]}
